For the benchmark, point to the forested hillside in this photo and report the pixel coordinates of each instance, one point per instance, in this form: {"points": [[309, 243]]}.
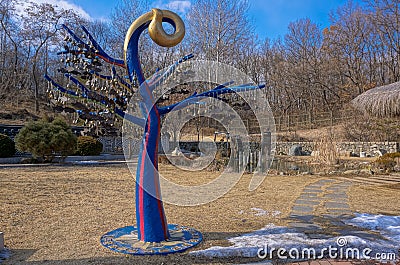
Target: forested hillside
{"points": [[307, 71]]}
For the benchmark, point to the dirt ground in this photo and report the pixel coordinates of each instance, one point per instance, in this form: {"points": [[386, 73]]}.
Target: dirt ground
{"points": [[57, 214]]}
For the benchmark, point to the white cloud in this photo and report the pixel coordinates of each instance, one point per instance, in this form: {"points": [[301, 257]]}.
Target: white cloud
{"points": [[66, 5], [178, 6]]}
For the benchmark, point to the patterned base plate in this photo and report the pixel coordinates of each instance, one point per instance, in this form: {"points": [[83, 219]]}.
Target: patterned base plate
{"points": [[125, 240]]}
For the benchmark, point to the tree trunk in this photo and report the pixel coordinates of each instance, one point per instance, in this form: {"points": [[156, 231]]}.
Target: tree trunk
{"points": [[36, 92], [150, 216], [36, 84]]}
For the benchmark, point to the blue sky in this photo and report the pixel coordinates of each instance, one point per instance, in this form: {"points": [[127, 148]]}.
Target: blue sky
{"points": [[271, 17]]}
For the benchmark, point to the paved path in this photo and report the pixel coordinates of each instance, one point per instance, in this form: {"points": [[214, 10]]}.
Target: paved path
{"points": [[320, 211], [325, 196]]}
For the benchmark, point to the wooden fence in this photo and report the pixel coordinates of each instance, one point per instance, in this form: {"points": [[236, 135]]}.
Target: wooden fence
{"points": [[311, 120], [283, 123]]}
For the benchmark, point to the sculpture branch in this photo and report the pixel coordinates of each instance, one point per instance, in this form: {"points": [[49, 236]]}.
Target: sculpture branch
{"points": [[95, 49], [214, 93], [157, 78], [87, 93], [60, 88], [133, 119], [101, 53]]}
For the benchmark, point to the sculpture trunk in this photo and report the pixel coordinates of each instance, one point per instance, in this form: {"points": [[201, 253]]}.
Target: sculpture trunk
{"points": [[151, 225], [151, 221]]}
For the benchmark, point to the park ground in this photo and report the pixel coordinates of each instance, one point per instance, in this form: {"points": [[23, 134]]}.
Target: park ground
{"points": [[57, 214]]}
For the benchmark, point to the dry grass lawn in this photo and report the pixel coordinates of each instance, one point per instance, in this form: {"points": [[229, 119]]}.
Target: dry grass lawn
{"points": [[57, 214]]}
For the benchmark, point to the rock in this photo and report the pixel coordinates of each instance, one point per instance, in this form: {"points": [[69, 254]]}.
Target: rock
{"points": [[176, 152], [295, 150], [383, 151], [366, 171], [354, 154]]}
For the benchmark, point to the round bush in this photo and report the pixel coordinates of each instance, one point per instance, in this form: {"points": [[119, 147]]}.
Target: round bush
{"points": [[7, 146], [46, 139], [88, 146]]}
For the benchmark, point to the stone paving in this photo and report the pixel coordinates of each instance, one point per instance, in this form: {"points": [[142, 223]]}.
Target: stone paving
{"points": [[320, 211], [329, 197]]}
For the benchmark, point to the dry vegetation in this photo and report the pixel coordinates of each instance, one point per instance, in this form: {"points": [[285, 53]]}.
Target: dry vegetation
{"points": [[375, 199], [56, 215]]}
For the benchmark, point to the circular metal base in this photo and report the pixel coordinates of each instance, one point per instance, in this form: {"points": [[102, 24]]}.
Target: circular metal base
{"points": [[125, 240]]}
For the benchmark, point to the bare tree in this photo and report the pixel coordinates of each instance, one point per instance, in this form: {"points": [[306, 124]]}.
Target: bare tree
{"points": [[12, 61], [385, 18], [40, 25], [348, 38], [219, 30]]}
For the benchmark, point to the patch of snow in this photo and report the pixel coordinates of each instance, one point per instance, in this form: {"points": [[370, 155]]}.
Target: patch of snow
{"points": [[260, 212], [387, 226], [275, 213], [87, 162], [247, 245], [273, 236]]}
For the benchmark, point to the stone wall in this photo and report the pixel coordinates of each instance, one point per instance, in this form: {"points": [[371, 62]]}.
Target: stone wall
{"points": [[353, 147], [344, 147], [192, 146], [115, 145], [12, 130], [282, 148], [368, 147]]}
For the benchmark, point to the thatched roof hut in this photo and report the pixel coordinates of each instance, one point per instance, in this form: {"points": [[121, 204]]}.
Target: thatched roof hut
{"points": [[383, 101]]}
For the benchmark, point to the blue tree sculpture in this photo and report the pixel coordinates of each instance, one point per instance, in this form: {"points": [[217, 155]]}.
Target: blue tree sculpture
{"points": [[152, 226]]}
